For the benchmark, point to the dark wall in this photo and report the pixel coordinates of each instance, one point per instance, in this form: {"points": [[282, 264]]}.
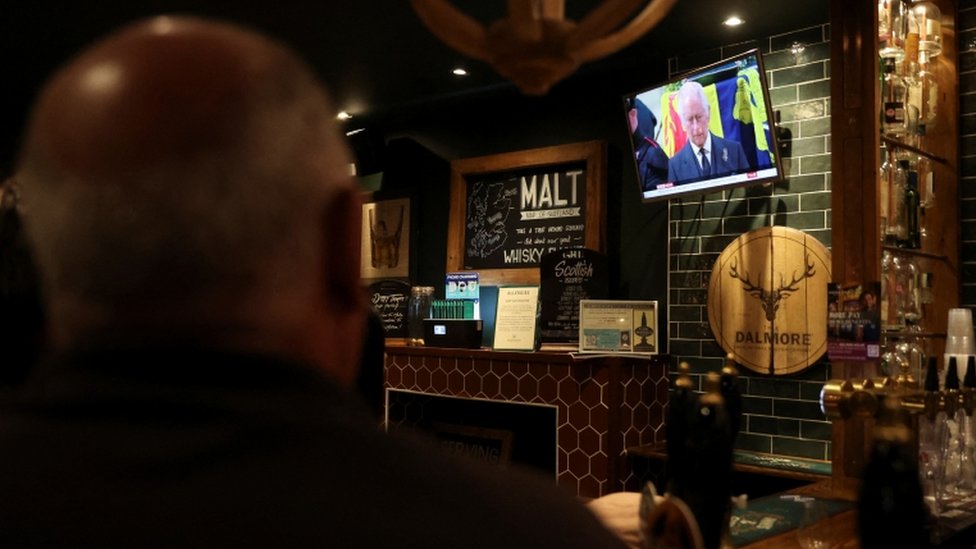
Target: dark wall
{"points": [[967, 151], [585, 107]]}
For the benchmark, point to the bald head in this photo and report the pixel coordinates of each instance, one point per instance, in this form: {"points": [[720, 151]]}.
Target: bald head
{"points": [[163, 90], [182, 163]]}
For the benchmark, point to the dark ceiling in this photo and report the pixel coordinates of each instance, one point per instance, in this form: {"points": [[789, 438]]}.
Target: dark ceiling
{"points": [[375, 55]]}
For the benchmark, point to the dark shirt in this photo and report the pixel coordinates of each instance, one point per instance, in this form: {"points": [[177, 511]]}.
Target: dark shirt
{"points": [[652, 163], [191, 448]]}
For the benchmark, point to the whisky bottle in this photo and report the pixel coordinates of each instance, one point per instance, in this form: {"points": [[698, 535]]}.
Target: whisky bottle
{"points": [[894, 93], [913, 233], [892, 27]]}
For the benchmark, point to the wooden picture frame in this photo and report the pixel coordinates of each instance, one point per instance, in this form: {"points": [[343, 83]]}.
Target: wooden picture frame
{"points": [[385, 240], [499, 229]]}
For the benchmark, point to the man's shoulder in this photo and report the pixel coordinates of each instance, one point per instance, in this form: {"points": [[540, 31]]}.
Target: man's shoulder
{"points": [[684, 152], [723, 141], [479, 504], [389, 487]]}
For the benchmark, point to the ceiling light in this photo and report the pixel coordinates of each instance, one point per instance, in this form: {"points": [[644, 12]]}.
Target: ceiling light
{"points": [[460, 72], [343, 115], [733, 21], [535, 45]]}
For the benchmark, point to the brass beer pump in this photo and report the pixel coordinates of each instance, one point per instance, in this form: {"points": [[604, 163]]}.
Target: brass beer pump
{"points": [[842, 399]]}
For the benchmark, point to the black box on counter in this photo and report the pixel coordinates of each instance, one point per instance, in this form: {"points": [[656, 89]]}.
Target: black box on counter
{"points": [[458, 333]]}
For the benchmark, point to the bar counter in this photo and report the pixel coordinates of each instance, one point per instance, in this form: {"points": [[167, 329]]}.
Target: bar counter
{"points": [[955, 531], [842, 527], [602, 404]]}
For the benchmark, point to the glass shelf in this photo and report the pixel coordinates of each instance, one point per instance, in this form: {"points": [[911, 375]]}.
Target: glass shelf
{"points": [[927, 335], [899, 145], [914, 252]]}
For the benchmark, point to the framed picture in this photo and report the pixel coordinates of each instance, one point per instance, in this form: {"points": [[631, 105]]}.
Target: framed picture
{"points": [[386, 239], [508, 210], [612, 326]]}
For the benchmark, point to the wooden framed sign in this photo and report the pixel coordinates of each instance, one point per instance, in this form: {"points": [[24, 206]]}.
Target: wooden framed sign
{"points": [[508, 210]]}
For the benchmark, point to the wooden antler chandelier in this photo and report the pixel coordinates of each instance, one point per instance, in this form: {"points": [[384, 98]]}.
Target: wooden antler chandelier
{"points": [[535, 46]]}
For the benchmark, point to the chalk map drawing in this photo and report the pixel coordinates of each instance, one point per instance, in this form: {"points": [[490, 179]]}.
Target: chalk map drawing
{"points": [[488, 209]]}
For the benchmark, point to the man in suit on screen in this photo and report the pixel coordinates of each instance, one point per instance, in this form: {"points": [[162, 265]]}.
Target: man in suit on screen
{"points": [[705, 155]]}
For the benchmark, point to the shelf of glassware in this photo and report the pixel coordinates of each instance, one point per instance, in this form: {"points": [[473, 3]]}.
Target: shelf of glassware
{"points": [[896, 144], [915, 253]]}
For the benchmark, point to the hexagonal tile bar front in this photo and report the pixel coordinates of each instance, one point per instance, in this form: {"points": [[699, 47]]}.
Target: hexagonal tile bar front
{"points": [[604, 404]]}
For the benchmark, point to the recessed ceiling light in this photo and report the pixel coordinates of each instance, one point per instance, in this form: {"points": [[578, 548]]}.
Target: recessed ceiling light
{"points": [[733, 21], [343, 115], [460, 72]]}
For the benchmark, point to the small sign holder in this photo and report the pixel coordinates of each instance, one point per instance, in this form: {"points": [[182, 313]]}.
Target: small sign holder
{"points": [[618, 327], [516, 319]]}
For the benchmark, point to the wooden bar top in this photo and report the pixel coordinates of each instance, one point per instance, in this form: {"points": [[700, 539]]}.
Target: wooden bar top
{"points": [[659, 452], [842, 526]]}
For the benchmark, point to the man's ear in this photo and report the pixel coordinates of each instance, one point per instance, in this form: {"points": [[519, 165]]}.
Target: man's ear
{"points": [[342, 228]]}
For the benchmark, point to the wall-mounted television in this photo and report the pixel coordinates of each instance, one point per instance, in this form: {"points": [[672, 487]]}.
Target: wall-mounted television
{"points": [[704, 131]]}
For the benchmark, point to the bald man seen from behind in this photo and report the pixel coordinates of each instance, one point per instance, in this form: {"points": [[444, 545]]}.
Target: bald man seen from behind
{"points": [[186, 193]]}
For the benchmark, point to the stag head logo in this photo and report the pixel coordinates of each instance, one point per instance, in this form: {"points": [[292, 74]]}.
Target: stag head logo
{"points": [[770, 299]]}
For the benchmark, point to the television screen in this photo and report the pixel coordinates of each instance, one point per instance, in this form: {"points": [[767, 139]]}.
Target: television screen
{"points": [[704, 131]]}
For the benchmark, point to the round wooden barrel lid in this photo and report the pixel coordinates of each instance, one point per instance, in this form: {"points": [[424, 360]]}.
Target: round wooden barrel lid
{"points": [[767, 300]]}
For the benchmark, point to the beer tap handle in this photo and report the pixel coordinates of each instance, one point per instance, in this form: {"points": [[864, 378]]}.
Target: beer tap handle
{"points": [[932, 389], [729, 383], [951, 388], [969, 386]]}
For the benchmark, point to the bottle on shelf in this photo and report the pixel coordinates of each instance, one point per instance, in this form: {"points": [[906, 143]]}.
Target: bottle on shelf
{"points": [[889, 292], [887, 170], [924, 95], [926, 297], [893, 358], [900, 301], [926, 181], [908, 273], [912, 35], [892, 28], [897, 232], [912, 209], [928, 18], [894, 93], [911, 345]]}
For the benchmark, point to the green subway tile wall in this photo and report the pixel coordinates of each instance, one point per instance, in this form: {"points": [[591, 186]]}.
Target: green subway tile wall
{"points": [[782, 414], [967, 150]]}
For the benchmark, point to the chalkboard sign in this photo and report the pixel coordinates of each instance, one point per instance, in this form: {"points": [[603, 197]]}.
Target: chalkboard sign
{"points": [[569, 276], [389, 299], [515, 217], [509, 210]]}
